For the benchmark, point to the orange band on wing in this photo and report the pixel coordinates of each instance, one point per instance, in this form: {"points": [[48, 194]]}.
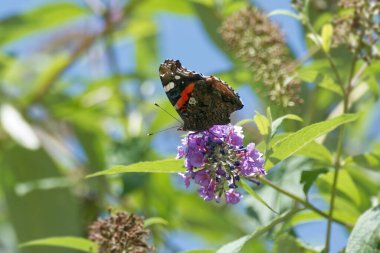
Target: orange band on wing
{"points": [[184, 96]]}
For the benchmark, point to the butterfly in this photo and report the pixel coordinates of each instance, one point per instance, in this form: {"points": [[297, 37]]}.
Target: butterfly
{"points": [[201, 101]]}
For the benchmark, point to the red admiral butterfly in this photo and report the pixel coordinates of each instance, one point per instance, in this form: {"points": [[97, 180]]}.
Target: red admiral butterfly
{"points": [[201, 101]]}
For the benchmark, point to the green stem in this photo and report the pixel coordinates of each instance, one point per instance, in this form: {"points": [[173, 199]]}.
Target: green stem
{"points": [[301, 201], [337, 163]]}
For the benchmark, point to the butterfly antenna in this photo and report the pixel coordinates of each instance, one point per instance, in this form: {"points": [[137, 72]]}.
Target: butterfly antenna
{"points": [[168, 113], [150, 134]]}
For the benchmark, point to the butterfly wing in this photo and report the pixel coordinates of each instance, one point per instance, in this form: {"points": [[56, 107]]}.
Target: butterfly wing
{"points": [[201, 101], [211, 103]]}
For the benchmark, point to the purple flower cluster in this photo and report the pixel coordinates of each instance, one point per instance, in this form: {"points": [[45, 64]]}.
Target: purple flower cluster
{"points": [[215, 159]]}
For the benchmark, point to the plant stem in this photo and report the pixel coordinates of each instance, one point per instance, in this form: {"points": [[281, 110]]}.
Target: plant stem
{"points": [[301, 201], [339, 148]]}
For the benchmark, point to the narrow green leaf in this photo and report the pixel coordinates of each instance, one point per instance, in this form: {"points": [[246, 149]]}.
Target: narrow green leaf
{"points": [[149, 7], [345, 185], [286, 13], [296, 141], [59, 215], [368, 160], [315, 38], [51, 71], [237, 245], [269, 116], [138, 28], [373, 86], [316, 151], [244, 121], [278, 138], [308, 216], [161, 166], [211, 20], [304, 217], [327, 33], [76, 243], [286, 243], [35, 20], [316, 77], [277, 122], [344, 208], [262, 124], [146, 55], [365, 237], [308, 177], [155, 220], [199, 251], [248, 189], [234, 246]]}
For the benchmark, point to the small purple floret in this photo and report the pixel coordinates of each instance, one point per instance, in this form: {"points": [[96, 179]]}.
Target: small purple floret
{"points": [[232, 196], [216, 160]]}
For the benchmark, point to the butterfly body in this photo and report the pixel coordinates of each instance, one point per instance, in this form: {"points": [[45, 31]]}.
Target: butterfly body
{"points": [[201, 101]]}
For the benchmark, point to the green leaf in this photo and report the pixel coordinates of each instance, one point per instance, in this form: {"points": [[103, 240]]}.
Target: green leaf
{"points": [[161, 166], [248, 189], [154, 221], [318, 78], [237, 245], [344, 209], [286, 243], [373, 86], [345, 185], [286, 13], [51, 71], [19, 165], [211, 21], [244, 121], [138, 28], [262, 124], [149, 7], [234, 246], [315, 38], [296, 141], [278, 121], [365, 237], [304, 217], [35, 20], [308, 177], [66, 242], [316, 151], [199, 251], [327, 33], [368, 160], [365, 182], [308, 216], [146, 55]]}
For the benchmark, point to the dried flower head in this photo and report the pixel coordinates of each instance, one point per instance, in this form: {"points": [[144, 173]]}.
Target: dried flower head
{"points": [[259, 43], [216, 159], [316, 5], [358, 27], [120, 233]]}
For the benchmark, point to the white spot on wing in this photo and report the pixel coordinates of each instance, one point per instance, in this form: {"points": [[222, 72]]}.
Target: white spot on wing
{"points": [[177, 77], [192, 101], [169, 86]]}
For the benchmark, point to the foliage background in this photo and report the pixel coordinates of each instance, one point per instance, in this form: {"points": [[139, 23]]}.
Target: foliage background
{"points": [[77, 84]]}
